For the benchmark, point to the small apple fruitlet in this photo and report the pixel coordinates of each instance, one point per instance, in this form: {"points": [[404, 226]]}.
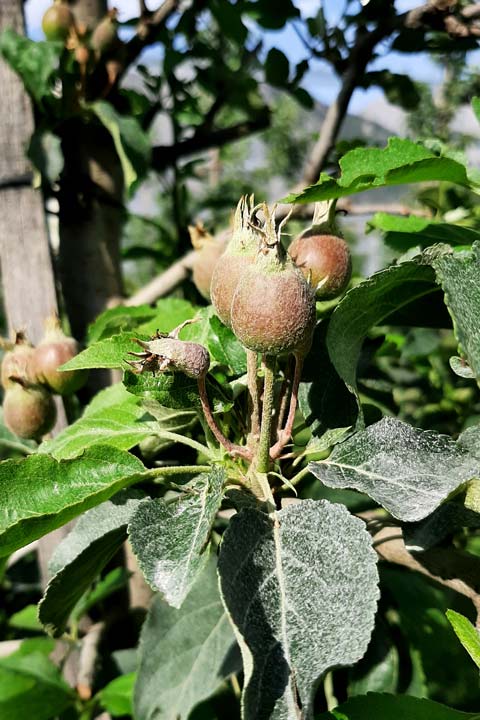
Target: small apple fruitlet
{"points": [[28, 410], [239, 255], [208, 250], [54, 350], [166, 352], [17, 361], [322, 255], [273, 307], [58, 21]]}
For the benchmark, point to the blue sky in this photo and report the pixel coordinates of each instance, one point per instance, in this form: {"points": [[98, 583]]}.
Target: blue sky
{"points": [[320, 81]]}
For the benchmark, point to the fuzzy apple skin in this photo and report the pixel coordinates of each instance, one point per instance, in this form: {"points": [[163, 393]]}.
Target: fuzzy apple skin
{"points": [[57, 21], [226, 276], [204, 264], [29, 412], [274, 312], [104, 37], [48, 357], [325, 261], [16, 363]]}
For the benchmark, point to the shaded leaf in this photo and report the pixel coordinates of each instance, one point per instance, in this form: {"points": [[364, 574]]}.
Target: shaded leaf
{"points": [[368, 304], [402, 233], [184, 654], [170, 537], [45, 152], [378, 670], [407, 470], [401, 162], [31, 686], [277, 68], [83, 554], [302, 595], [39, 494], [467, 634], [394, 707], [131, 142], [35, 62], [446, 520], [459, 276], [117, 697]]}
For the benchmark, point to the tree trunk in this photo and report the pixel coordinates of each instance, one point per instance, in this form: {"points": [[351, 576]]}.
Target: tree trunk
{"points": [[27, 274], [91, 213]]}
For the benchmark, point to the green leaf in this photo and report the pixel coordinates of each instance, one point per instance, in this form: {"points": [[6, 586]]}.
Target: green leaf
{"points": [[131, 142], [26, 619], [368, 304], [31, 686], [175, 391], [302, 595], [394, 707], [184, 654], [402, 233], [461, 368], [407, 470], [459, 276], [117, 697], [112, 582], [401, 162], [324, 400], [399, 89], [45, 152], [277, 68], [225, 348], [83, 554], [378, 670], [446, 520], [171, 537], [39, 494], [467, 634], [109, 353], [122, 425], [35, 62], [13, 444], [118, 319], [165, 316]]}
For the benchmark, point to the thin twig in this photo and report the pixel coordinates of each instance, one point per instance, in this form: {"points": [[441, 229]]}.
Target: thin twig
{"points": [[446, 566], [88, 659], [231, 448], [286, 433]]}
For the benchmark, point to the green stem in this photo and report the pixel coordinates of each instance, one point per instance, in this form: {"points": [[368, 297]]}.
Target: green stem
{"points": [[252, 379], [263, 453], [231, 448], [178, 470]]}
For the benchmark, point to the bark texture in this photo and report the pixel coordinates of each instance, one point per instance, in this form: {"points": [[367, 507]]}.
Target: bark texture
{"points": [[28, 282]]}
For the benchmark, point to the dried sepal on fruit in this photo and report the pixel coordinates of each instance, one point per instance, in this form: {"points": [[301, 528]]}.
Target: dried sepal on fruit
{"points": [[273, 308], [166, 352], [54, 350], [238, 256], [17, 361], [29, 410], [322, 254]]}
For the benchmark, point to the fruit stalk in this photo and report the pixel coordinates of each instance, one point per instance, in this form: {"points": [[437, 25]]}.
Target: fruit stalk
{"points": [[262, 464], [286, 433], [252, 380], [231, 448]]}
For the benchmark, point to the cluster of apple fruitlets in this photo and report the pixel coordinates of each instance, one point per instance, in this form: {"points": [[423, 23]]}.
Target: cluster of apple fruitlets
{"points": [[267, 295], [89, 47], [30, 377]]}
